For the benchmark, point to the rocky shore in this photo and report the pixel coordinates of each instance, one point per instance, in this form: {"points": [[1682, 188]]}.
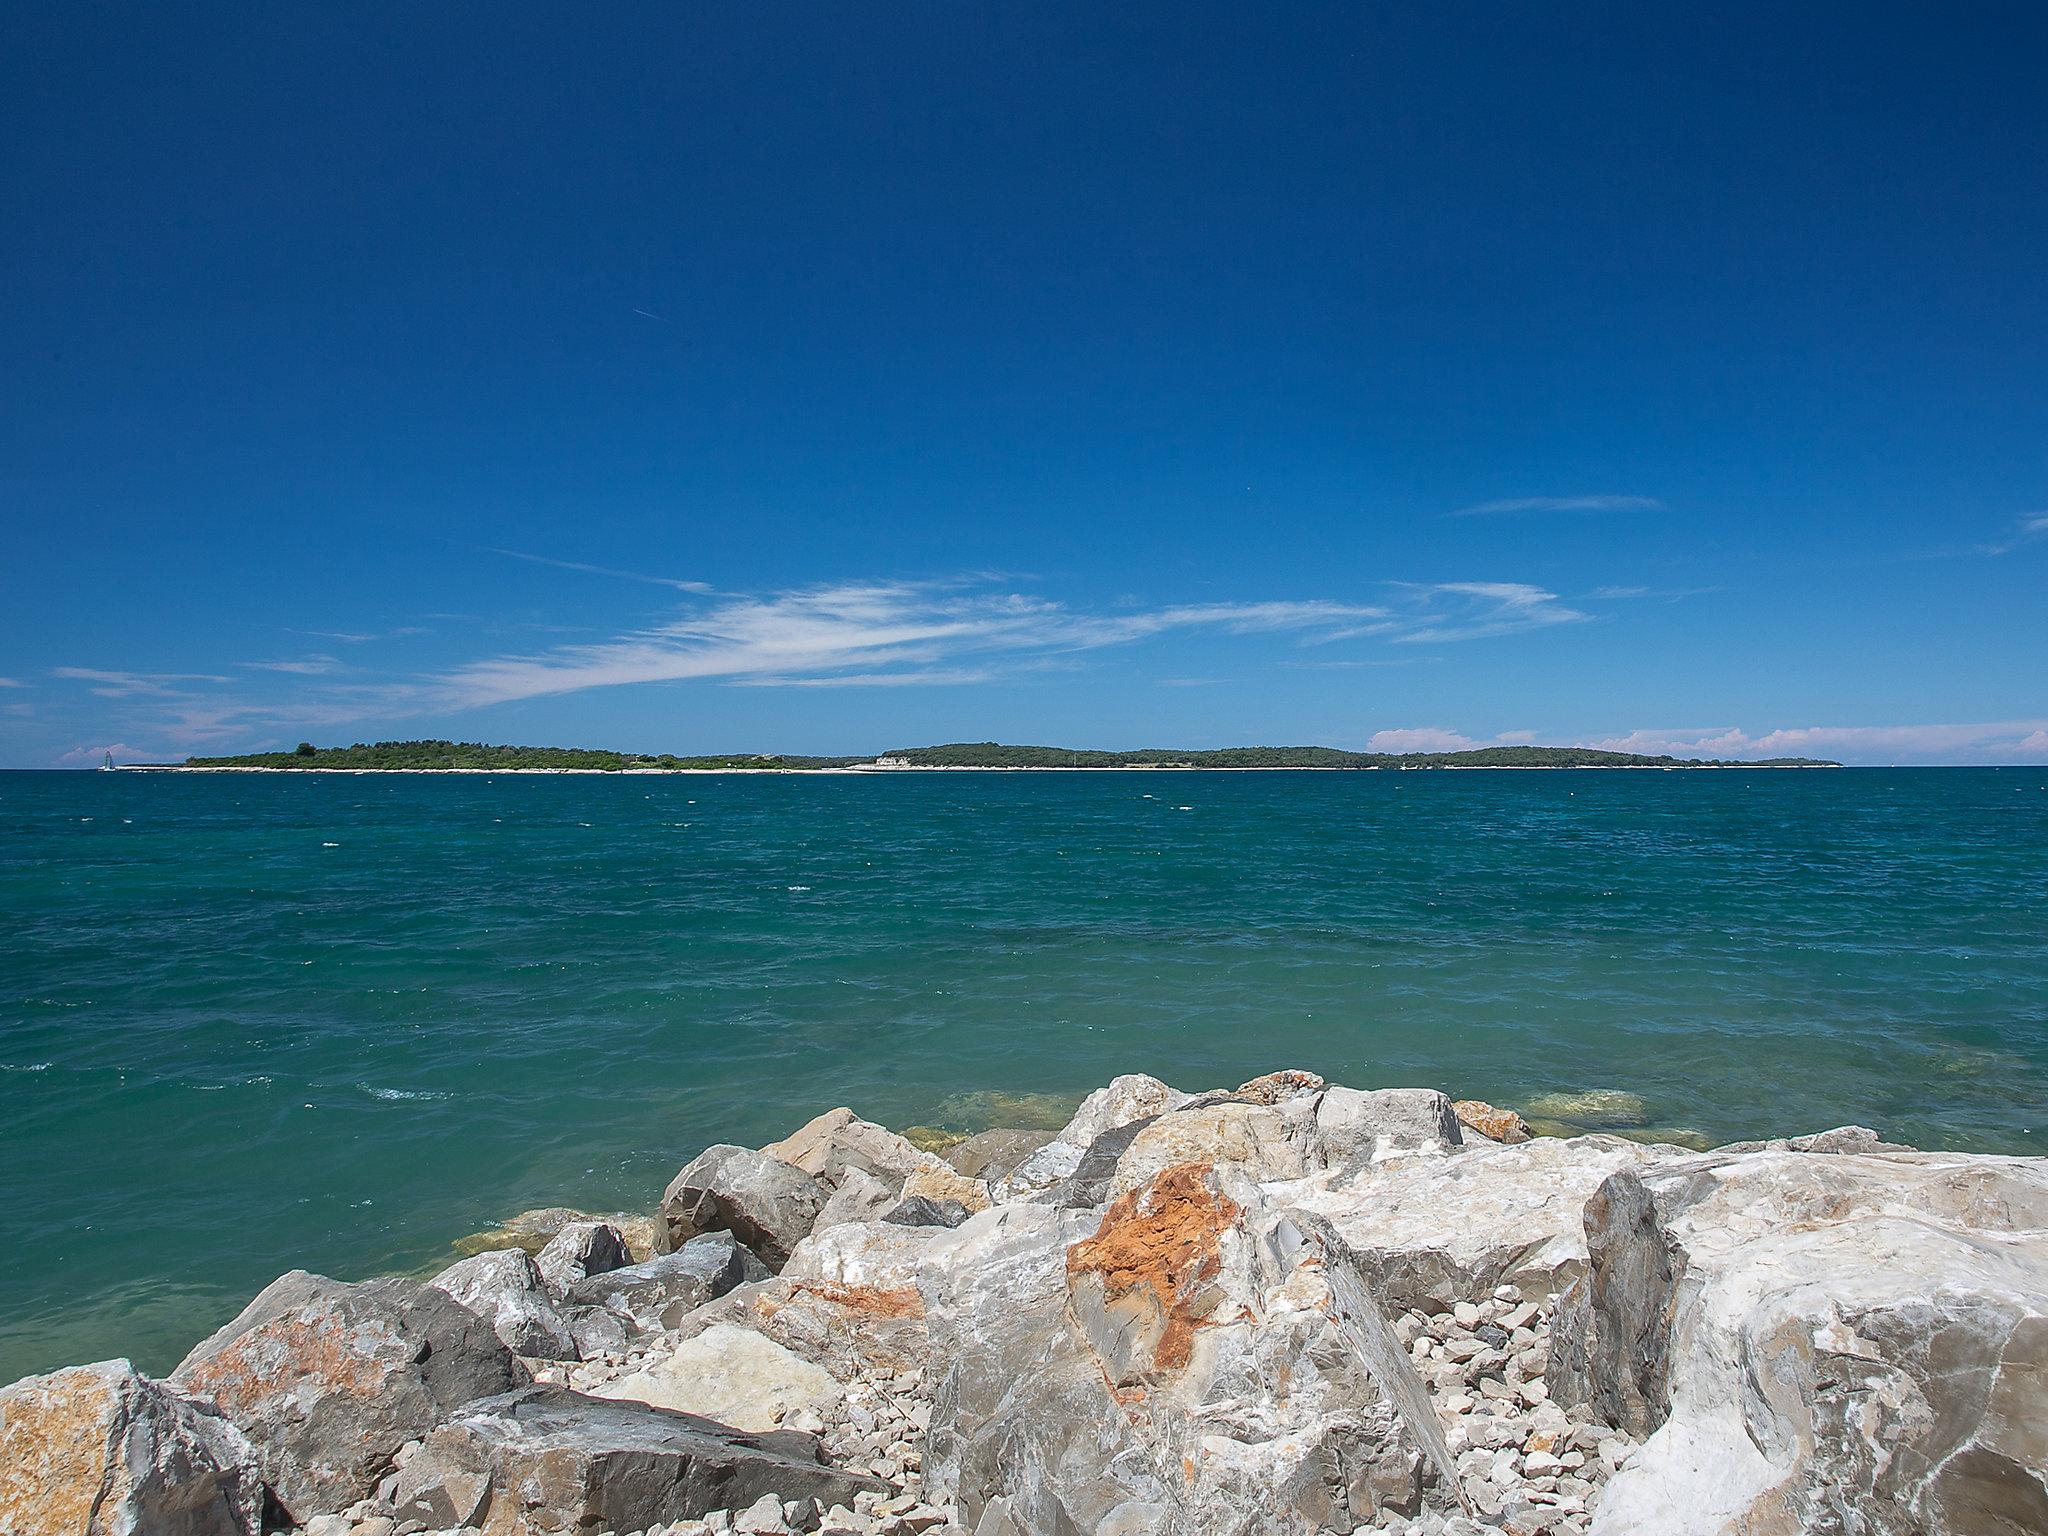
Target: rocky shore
{"points": [[1285, 1307]]}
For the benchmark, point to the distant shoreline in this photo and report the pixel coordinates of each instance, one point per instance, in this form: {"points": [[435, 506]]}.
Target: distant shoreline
{"points": [[874, 770]]}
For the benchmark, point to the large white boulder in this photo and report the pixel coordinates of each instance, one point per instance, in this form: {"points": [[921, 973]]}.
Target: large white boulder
{"points": [[1854, 1342], [1432, 1231]]}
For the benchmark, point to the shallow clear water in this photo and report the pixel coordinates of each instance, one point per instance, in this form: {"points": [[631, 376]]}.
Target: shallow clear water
{"points": [[252, 1022]]}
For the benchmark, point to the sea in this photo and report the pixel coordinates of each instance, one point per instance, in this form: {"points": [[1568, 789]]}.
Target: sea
{"points": [[253, 1022]]}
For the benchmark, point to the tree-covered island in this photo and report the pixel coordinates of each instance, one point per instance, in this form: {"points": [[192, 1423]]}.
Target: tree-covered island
{"points": [[427, 756]]}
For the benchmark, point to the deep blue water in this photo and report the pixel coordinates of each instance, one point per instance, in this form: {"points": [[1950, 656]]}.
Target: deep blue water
{"points": [[251, 1022]]}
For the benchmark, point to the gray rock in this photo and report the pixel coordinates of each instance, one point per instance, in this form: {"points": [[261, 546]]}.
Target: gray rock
{"points": [[328, 1380], [582, 1249], [1431, 1231], [599, 1330], [860, 1197], [734, 1375], [766, 1203], [1134, 1096], [546, 1460], [1260, 1141], [1850, 1341], [655, 1296], [1355, 1125], [505, 1289], [101, 1449], [992, 1155], [839, 1141], [923, 1211], [1197, 1362]]}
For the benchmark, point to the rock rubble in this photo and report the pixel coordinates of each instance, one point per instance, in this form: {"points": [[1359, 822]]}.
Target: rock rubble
{"points": [[1288, 1307]]}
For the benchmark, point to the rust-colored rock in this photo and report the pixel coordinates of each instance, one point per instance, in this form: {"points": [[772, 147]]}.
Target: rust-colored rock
{"points": [[1276, 1087], [1153, 1258], [1494, 1123], [328, 1380], [100, 1450]]}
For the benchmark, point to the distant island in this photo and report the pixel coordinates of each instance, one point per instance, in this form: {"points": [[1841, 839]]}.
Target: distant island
{"points": [[475, 757]]}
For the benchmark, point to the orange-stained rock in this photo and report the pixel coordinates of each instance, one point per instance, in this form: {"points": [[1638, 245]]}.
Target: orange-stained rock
{"points": [[328, 1380], [1274, 1087], [1150, 1264], [1488, 1121], [100, 1450]]}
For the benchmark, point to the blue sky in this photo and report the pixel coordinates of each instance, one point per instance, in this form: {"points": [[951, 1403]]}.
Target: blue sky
{"points": [[827, 378]]}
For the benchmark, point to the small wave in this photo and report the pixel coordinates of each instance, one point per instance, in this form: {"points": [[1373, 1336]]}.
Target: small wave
{"points": [[407, 1094], [24, 1066], [330, 845], [799, 887]]}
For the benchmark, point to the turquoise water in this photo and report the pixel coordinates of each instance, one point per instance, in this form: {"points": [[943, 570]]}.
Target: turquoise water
{"points": [[252, 1022]]}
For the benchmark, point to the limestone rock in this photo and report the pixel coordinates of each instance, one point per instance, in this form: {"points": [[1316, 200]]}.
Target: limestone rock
{"points": [[876, 1256], [1050, 1165], [923, 1211], [860, 1197], [850, 1331], [992, 1155], [645, 1236], [1354, 1125], [100, 1450], [1258, 1141], [1134, 1096], [1276, 1088], [734, 1375], [839, 1140], [328, 1380], [1429, 1232], [1853, 1341], [766, 1203], [582, 1249], [1502, 1125], [656, 1295], [945, 1185], [506, 1290], [547, 1462], [1199, 1362]]}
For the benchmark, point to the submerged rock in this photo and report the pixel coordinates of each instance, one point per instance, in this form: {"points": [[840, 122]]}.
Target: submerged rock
{"points": [[328, 1380], [101, 1450], [993, 1154], [766, 1203], [543, 1461], [506, 1290], [645, 1236]]}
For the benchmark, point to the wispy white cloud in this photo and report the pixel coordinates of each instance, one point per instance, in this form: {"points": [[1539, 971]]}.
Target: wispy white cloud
{"points": [[870, 630], [882, 634], [601, 570], [121, 685], [360, 636], [1562, 504], [302, 666], [2026, 530], [1985, 742], [12, 682], [1474, 610]]}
